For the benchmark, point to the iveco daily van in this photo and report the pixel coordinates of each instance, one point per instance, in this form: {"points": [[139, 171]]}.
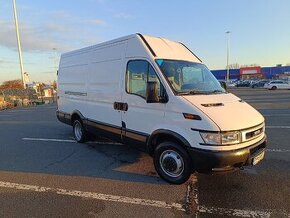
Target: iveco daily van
{"points": [[156, 93]]}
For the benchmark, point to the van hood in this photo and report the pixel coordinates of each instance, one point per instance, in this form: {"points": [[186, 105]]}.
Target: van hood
{"points": [[227, 110]]}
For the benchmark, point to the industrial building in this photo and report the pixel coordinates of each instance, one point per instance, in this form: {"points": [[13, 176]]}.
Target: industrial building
{"points": [[278, 72]]}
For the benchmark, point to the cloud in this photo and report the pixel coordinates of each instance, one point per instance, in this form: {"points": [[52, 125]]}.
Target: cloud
{"points": [[96, 22], [5, 61], [123, 15], [32, 38], [60, 14], [57, 28], [63, 31]]}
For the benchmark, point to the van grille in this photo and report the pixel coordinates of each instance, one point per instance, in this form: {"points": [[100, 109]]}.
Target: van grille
{"points": [[253, 133], [255, 149]]}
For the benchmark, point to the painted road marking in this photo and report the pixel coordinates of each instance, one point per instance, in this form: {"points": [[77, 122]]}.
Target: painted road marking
{"points": [[69, 140], [144, 202], [113, 143], [93, 195], [278, 150], [235, 212], [17, 111], [276, 115], [49, 140], [278, 127]]}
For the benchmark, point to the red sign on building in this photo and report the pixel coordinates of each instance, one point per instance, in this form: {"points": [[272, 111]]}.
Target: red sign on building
{"points": [[251, 73]]}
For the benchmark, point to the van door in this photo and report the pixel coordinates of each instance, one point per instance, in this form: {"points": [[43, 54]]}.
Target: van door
{"points": [[104, 119], [140, 118]]}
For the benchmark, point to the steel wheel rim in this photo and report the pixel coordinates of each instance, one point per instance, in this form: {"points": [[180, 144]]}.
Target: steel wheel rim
{"points": [[78, 131], [171, 163]]}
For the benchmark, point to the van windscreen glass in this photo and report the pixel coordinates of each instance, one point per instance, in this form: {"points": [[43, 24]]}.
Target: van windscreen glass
{"points": [[187, 78]]}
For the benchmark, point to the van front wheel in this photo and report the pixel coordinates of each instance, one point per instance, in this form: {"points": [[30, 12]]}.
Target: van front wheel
{"points": [[172, 162], [79, 131]]}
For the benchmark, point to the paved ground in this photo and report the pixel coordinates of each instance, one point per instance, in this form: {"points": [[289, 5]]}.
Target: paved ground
{"points": [[44, 173]]}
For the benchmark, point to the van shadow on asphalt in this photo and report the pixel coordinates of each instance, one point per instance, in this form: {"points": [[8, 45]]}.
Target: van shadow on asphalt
{"points": [[101, 158]]}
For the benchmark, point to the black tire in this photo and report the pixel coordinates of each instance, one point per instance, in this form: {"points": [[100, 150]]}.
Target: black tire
{"points": [[80, 134], [172, 162], [274, 88]]}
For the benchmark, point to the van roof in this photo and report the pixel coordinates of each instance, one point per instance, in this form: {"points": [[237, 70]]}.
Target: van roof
{"points": [[157, 47], [168, 49]]}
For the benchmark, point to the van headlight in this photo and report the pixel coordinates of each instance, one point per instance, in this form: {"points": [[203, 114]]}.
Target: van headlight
{"points": [[226, 138]]}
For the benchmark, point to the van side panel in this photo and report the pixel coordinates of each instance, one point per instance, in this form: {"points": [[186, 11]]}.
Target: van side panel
{"points": [[104, 83], [89, 82], [72, 78], [136, 48]]}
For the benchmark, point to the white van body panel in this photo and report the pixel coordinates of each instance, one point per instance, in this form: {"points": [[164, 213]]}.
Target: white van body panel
{"points": [[95, 74], [72, 84], [233, 114], [137, 49], [167, 49]]}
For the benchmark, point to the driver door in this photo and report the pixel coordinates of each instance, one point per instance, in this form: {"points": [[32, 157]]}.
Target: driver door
{"points": [[141, 118]]}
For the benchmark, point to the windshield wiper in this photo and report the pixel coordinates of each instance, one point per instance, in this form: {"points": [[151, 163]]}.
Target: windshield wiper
{"points": [[191, 92], [217, 91]]}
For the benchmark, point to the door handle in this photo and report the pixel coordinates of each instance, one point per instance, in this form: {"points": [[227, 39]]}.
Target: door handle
{"points": [[116, 106], [120, 106], [124, 107]]}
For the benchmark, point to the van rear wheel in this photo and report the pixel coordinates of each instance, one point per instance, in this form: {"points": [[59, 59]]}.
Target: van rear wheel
{"points": [[172, 162], [79, 131]]}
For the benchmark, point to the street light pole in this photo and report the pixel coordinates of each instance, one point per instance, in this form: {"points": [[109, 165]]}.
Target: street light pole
{"points": [[228, 55], [18, 44], [55, 58]]}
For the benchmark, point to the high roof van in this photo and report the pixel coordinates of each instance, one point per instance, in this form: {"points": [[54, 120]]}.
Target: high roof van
{"points": [[157, 94]]}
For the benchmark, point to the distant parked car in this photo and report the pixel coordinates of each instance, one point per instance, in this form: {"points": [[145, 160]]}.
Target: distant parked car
{"points": [[230, 83], [277, 84], [260, 83], [244, 83]]}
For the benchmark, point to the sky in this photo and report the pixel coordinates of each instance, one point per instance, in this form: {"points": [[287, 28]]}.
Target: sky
{"points": [[260, 30]]}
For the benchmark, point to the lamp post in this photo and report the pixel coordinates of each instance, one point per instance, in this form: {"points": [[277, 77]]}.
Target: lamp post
{"points": [[18, 44], [55, 58], [228, 55]]}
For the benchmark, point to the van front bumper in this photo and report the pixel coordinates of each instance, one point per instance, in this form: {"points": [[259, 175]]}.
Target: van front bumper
{"points": [[206, 161]]}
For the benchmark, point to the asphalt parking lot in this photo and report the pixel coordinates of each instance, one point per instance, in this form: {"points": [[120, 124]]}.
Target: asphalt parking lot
{"points": [[45, 173]]}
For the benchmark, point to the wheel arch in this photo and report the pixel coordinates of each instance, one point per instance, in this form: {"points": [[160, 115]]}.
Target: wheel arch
{"points": [[77, 115], [162, 135]]}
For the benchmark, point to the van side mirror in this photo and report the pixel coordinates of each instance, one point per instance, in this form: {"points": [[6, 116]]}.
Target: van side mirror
{"points": [[152, 92], [223, 84]]}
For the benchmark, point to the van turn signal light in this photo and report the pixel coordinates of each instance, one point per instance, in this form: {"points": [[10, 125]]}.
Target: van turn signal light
{"points": [[191, 116]]}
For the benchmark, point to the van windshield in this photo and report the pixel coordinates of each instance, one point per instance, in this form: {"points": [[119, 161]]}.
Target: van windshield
{"points": [[189, 78]]}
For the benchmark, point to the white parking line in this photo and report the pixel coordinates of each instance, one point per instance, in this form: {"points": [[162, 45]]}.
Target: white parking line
{"points": [[93, 195], [69, 140], [49, 140], [278, 150], [113, 143], [276, 115], [278, 127], [139, 201], [235, 212], [19, 110]]}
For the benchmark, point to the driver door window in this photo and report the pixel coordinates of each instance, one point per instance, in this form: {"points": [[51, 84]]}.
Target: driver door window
{"points": [[138, 73]]}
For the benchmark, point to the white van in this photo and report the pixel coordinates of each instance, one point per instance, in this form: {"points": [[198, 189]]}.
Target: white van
{"points": [[156, 93]]}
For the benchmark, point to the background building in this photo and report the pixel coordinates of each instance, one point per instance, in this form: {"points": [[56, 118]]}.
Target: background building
{"points": [[257, 72]]}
